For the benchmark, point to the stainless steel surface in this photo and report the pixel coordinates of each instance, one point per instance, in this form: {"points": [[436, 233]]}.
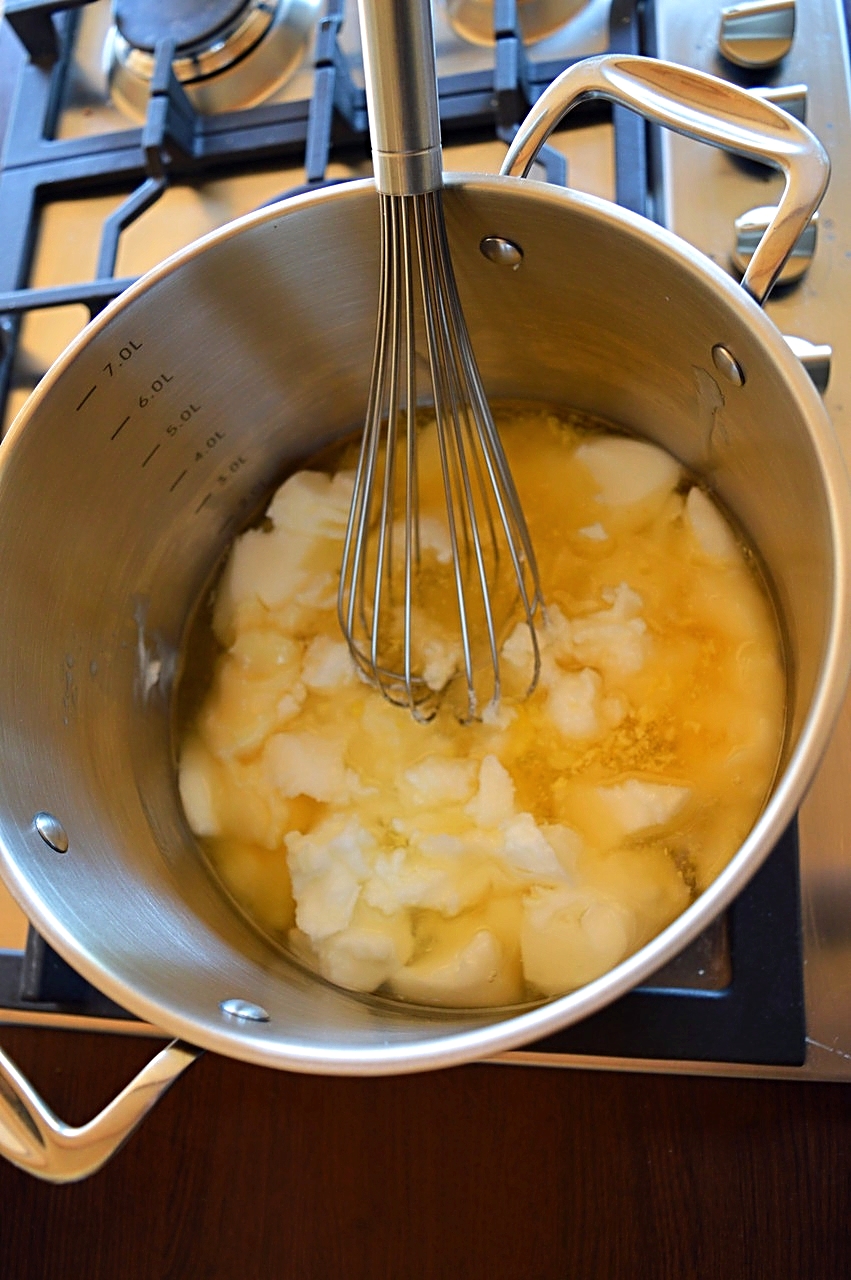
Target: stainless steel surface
{"points": [[705, 109], [32, 1138], [750, 228], [791, 97], [51, 831], [501, 251], [237, 1008], [727, 364], [474, 19], [132, 905], [401, 95], [815, 357], [817, 310], [757, 33], [238, 67], [420, 321]]}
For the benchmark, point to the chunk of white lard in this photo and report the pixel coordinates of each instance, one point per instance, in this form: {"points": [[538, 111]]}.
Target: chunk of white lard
{"points": [[441, 660], [297, 557], [526, 849], [303, 764], [635, 805], [327, 868], [327, 664], [480, 973], [440, 780], [713, 534], [573, 701], [627, 470], [368, 951], [314, 502], [195, 784], [431, 874], [554, 638], [614, 640], [493, 803], [571, 936]]}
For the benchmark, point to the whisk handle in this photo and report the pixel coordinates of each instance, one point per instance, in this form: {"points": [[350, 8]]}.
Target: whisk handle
{"points": [[401, 95]]}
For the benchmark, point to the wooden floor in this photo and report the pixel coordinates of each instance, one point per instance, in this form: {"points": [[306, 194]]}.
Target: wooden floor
{"points": [[486, 1171]]}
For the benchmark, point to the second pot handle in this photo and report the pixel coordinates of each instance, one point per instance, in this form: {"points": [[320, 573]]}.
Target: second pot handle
{"points": [[708, 109], [32, 1138]]}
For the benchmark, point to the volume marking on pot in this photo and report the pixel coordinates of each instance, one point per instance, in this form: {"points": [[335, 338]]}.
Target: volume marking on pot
{"points": [[183, 417], [211, 442], [89, 393], [125, 353], [156, 386]]}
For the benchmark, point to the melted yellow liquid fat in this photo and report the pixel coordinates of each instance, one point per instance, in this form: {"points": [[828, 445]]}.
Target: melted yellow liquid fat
{"points": [[525, 854]]}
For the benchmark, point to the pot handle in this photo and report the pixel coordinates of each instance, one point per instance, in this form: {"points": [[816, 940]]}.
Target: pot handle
{"points": [[705, 108], [32, 1137]]}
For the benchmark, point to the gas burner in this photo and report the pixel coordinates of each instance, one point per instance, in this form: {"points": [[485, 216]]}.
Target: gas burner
{"points": [[229, 54], [473, 20]]}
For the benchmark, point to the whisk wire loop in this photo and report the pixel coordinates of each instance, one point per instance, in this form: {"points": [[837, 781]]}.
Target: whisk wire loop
{"points": [[384, 553], [380, 600], [442, 321], [486, 451]]}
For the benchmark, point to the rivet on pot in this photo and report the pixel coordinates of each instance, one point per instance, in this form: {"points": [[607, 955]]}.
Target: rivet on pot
{"points": [[501, 251], [727, 364], [51, 831], [243, 1009]]}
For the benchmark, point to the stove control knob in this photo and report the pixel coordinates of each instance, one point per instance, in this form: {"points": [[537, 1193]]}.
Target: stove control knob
{"points": [[757, 33], [815, 359], [752, 226], [791, 98]]}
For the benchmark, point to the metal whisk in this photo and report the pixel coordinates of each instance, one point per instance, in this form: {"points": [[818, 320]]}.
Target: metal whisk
{"points": [[387, 602]]}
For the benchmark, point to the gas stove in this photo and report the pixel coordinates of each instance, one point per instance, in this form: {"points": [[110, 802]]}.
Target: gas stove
{"points": [[133, 128]]}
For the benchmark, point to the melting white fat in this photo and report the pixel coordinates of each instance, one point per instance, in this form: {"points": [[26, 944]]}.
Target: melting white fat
{"points": [[525, 854], [635, 805], [628, 471], [713, 534], [493, 803]]}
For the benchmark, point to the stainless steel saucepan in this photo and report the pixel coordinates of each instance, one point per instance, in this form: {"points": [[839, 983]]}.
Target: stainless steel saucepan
{"points": [[165, 426]]}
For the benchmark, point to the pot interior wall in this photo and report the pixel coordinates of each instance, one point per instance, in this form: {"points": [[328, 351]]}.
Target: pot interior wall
{"points": [[156, 438], [597, 320]]}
